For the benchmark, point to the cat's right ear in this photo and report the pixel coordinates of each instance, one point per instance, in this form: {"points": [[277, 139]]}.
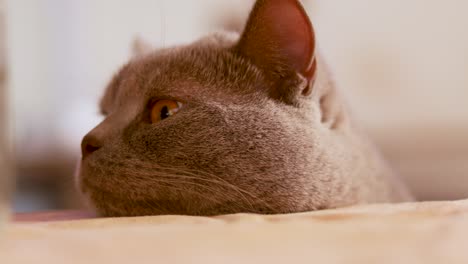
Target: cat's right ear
{"points": [[279, 39], [140, 47]]}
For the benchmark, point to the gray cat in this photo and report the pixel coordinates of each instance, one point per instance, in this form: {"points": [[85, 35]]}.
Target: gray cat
{"points": [[229, 124]]}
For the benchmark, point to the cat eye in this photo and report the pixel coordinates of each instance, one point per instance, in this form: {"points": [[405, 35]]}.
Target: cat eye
{"points": [[163, 109]]}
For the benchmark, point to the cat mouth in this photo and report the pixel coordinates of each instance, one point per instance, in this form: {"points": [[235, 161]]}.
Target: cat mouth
{"points": [[87, 182]]}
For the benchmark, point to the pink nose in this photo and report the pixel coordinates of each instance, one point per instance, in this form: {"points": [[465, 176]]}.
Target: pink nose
{"points": [[89, 145]]}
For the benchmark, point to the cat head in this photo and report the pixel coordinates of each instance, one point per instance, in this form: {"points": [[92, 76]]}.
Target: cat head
{"points": [[227, 124]]}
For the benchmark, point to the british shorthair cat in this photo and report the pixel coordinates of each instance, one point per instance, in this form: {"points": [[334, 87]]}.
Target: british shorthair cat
{"points": [[232, 124]]}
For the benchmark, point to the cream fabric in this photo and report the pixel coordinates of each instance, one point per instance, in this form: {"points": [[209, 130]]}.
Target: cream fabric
{"points": [[434, 232]]}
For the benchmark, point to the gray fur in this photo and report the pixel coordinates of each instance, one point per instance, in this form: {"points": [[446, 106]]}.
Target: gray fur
{"points": [[232, 148]]}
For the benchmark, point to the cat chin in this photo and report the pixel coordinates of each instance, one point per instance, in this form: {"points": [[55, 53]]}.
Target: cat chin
{"points": [[113, 208], [127, 208], [108, 204]]}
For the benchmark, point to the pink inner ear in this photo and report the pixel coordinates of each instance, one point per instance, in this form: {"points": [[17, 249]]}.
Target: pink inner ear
{"points": [[280, 34], [292, 31]]}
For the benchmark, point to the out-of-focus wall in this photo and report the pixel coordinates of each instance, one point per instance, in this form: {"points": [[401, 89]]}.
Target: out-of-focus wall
{"points": [[402, 62], [63, 53], [403, 65]]}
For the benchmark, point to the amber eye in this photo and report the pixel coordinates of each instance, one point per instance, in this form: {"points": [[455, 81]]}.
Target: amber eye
{"points": [[163, 109]]}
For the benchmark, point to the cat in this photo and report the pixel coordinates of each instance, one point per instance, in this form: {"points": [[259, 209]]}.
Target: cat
{"points": [[246, 123]]}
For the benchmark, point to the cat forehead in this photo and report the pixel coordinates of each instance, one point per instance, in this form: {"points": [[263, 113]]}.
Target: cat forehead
{"points": [[207, 67]]}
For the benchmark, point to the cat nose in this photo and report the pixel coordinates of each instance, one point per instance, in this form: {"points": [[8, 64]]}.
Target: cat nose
{"points": [[89, 145]]}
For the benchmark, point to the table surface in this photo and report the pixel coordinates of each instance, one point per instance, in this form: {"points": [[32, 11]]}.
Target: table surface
{"points": [[427, 232]]}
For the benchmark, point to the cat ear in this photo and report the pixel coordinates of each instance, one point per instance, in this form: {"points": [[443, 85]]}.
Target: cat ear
{"points": [[280, 40], [140, 47]]}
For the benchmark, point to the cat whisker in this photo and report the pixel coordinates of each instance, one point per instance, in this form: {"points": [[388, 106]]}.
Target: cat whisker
{"points": [[172, 179], [221, 182], [241, 191], [203, 176]]}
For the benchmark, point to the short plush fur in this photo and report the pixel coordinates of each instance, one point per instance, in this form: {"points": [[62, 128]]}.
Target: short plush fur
{"points": [[262, 129]]}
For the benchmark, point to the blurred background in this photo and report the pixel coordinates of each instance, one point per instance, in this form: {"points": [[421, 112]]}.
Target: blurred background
{"points": [[4, 170], [403, 65]]}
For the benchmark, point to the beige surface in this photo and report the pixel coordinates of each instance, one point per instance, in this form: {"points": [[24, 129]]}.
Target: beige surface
{"points": [[407, 233]]}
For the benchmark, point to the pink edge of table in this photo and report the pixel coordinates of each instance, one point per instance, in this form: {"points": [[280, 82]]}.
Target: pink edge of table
{"points": [[52, 216]]}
